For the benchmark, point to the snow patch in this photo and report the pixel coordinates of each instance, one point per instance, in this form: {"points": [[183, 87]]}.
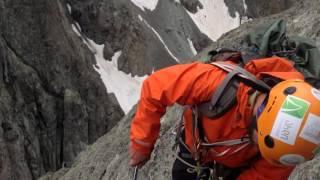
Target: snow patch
{"points": [[193, 50], [75, 29], [214, 19], [69, 8], [78, 26], [158, 35], [245, 5], [125, 87], [146, 4]]}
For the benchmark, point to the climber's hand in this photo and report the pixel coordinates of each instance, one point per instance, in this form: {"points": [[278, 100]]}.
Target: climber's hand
{"points": [[137, 158]]}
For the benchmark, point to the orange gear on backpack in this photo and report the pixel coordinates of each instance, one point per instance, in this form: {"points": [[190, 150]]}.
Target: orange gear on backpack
{"points": [[289, 126]]}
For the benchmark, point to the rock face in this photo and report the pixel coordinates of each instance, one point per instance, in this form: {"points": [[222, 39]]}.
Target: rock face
{"points": [[257, 8], [53, 103], [192, 5], [108, 157], [307, 171], [302, 19], [120, 25], [246, 8]]}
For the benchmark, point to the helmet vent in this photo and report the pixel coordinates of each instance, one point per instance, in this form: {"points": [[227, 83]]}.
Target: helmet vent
{"points": [[269, 109], [290, 90], [274, 100], [268, 140]]}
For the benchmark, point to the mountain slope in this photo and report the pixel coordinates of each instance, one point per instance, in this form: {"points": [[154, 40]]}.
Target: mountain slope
{"points": [[53, 103], [108, 157], [69, 69]]}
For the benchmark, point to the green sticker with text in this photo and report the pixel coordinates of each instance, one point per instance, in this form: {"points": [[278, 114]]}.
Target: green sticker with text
{"points": [[295, 106]]}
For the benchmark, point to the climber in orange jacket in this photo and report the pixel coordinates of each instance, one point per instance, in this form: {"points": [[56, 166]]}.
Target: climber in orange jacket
{"points": [[272, 149]]}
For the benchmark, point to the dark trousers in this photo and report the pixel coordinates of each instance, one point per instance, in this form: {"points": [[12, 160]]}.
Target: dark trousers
{"points": [[181, 171]]}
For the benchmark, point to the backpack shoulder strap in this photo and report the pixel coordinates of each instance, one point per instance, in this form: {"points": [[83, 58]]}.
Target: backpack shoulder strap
{"points": [[225, 95]]}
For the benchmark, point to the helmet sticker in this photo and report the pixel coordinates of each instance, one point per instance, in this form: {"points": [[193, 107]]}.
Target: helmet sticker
{"points": [[291, 159], [316, 93], [295, 106], [311, 129], [289, 119]]}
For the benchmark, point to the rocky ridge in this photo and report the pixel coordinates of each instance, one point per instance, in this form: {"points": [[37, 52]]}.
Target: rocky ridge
{"points": [[108, 157], [53, 102]]}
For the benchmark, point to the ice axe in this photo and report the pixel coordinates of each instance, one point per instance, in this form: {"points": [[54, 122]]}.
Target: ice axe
{"points": [[135, 173]]}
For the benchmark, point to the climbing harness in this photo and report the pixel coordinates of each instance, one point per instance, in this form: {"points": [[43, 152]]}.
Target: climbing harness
{"points": [[221, 101]]}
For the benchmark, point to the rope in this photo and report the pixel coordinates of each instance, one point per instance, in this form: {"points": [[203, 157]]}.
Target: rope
{"points": [[227, 142]]}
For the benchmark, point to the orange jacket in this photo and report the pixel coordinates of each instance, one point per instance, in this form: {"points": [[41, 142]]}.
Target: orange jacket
{"points": [[190, 84]]}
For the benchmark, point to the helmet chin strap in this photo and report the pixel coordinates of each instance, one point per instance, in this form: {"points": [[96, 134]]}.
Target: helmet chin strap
{"points": [[257, 112], [252, 127]]}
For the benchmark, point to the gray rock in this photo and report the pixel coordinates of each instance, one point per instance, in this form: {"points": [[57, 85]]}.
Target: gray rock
{"points": [[117, 22], [127, 28], [52, 102], [192, 5], [307, 171], [175, 28], [257, 8], [108, 157], [107, 51]]}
